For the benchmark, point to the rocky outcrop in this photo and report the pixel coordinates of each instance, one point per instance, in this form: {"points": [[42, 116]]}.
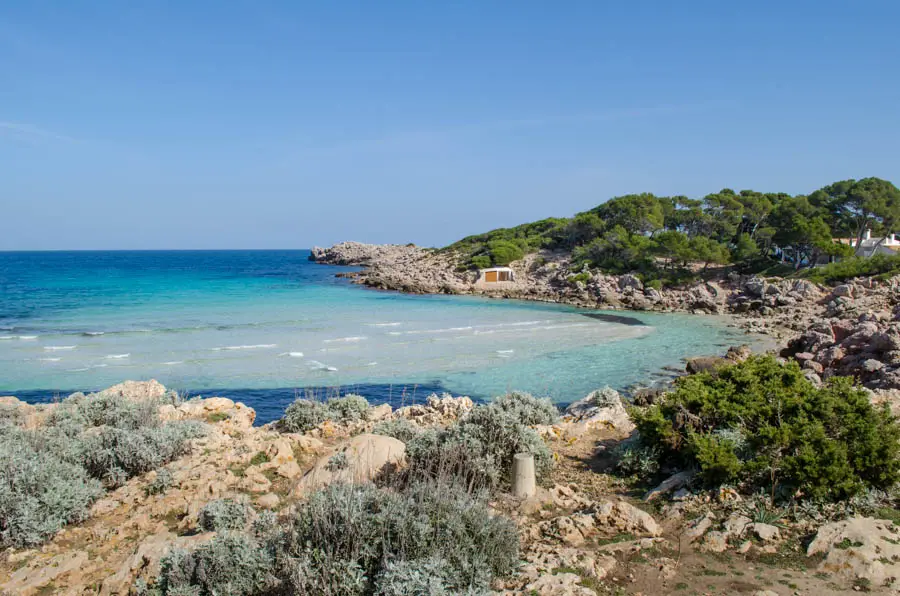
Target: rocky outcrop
{"points": [[600, 409], [860, 547], [360, 460], [867, 348]]}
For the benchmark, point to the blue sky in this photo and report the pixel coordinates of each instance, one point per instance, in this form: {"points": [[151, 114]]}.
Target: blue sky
{"points": [[209, 124]]}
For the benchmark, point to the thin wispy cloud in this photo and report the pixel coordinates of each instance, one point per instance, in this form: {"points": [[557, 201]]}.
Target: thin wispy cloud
{"points": [[31, 134]]}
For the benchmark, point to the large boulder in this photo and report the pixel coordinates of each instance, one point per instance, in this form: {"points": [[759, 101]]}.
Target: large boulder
{"points": [[360, 460], [859, 547], [601, 408], [623, 517], [137, 390]]}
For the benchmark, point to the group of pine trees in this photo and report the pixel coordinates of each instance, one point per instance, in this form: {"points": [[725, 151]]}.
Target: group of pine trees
{"points": [[661, 236]]}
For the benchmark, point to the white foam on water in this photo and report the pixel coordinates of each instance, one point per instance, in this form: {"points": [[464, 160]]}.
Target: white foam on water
{"points": [[249, 347], [58, 348], [292, 354], [354, 338], [117, 356], [87, 368], [383, 324], [28, 337], [174, 362], [370, 364], [505, 351], [49, 359], [395, 333], [94, 333], [316, 365], [11, 337]]}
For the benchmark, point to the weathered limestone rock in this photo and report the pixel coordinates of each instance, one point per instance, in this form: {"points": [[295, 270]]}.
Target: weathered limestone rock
{"points": [[27, 581], [672, 483], [560, 584], [359, 461], [601, 408], [859, 547], [624, 517], [137, 390]]}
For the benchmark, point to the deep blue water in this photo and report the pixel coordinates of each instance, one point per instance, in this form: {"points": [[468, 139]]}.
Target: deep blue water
{"points": [[265, 326]]}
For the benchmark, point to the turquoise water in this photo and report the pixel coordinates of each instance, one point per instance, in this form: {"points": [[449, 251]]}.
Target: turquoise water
{"points": [[261, 326]]}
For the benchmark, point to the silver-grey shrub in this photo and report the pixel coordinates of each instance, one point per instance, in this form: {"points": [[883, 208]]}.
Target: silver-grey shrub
{"points": [[114, 455], [303, 415], [224, 514], [39, 492], [50, 475], [478, 450], [231, 563], [371, 526], [528, 409], [398, 428], [351, 540]]}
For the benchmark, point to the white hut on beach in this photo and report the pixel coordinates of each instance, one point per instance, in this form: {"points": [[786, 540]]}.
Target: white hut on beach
{"points": [[494, 275]]}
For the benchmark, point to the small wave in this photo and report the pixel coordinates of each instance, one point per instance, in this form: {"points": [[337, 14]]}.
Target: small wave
{"points": [[87, 368], [395, 333], [117, 356], [292, 354], [93, 333], [49, 359], [11, 337], [384, 324], [249, 347], [345, 339], [174, 362], [505, 351], [58, 348], [316, 365], [370, 364]]}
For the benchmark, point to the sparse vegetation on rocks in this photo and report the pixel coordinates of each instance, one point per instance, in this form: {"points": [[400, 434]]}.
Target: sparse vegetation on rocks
{"points": [[478, 449], [304, 414], [87, 442]]}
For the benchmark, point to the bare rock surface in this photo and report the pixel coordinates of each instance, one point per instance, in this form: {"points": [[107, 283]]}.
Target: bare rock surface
{"points": [[360, 460], [860, 547]]}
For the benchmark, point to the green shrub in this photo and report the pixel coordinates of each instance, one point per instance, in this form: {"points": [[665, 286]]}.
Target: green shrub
{"points": [[399, 428], [527, 409], [304, 415], [879, 265], [39, 492], [224, 514], [504, 252], [231, 563], [760, 422], [583, 277], [481, 261], [655, 284]]}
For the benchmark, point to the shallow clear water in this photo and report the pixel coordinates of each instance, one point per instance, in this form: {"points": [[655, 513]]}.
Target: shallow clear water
{"points": [[260, 326]]}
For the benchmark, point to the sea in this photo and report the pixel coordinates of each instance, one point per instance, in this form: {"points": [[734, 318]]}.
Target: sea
{"points": [[266, 327]]}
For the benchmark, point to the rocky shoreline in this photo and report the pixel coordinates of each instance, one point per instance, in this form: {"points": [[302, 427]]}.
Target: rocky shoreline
{"points": [[852, 329]]}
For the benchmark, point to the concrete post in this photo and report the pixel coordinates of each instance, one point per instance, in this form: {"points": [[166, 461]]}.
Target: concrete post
{"points": [[523, 482]]}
